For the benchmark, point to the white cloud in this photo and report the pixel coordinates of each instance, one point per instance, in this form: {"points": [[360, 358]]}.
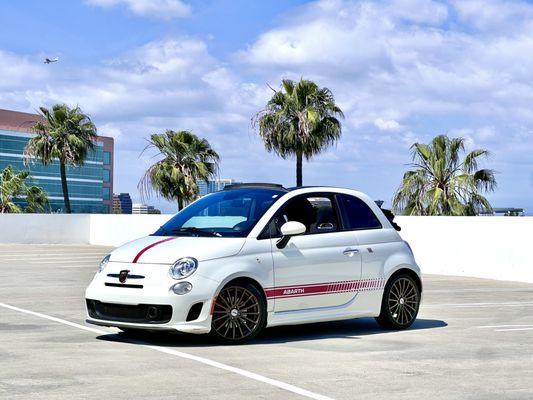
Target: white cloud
{"points": [[401, 70], [160, 9], [387, 125], [419, 11], [376, 63], [20, 71], [494, 15], [110, 129]]}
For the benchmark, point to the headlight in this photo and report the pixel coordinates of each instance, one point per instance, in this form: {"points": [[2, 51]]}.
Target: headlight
{"points": [[183, 268], [104, 262]]}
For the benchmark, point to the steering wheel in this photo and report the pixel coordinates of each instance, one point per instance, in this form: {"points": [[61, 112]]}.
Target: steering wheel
{"points": [[241, 226]]}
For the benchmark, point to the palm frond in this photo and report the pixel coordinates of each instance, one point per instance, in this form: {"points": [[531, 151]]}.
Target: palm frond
{"points": [[299, 119], [442, 184], [185, 159]]}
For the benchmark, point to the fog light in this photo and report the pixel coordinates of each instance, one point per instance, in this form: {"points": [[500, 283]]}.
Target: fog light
{"points": [[182, 287]]}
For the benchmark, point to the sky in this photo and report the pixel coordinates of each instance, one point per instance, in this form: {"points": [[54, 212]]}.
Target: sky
{"points": [[403, 71]]}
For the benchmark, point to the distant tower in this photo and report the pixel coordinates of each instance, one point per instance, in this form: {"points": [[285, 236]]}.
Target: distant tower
{"points": [[126, 204]]}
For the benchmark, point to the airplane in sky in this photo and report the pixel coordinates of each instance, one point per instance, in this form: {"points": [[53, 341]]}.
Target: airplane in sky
{"points": [[51, 60]]}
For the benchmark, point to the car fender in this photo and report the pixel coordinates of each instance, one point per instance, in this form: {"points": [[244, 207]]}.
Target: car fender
{"points": [[227, 269], [398, 260]]}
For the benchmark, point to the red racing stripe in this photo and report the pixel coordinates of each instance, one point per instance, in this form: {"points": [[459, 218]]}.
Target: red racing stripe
{"points": [[140, 253], [315, 289]]}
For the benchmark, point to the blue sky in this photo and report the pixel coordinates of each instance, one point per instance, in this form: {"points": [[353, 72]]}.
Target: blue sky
{"points": [[402, 71]]}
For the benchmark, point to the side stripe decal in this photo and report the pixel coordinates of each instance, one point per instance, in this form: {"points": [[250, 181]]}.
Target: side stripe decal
{"points": [[315, 289], [140, 253]]}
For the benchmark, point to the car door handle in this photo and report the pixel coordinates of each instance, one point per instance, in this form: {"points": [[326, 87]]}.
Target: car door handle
{"points": [[350, 252]]}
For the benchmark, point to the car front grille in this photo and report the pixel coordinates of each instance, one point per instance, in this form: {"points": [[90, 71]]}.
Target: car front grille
{"points": [[141, 313]]}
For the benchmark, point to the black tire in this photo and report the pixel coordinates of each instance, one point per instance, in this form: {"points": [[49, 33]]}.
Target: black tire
{"points": [[400, 303], [239, 314]]}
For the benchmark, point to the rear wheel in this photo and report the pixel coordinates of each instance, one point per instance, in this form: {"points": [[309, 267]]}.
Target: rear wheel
{"points": [[239, 314], [401, 300]]}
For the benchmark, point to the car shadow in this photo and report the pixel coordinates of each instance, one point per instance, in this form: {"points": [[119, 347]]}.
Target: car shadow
{"points": [[348, 329]]}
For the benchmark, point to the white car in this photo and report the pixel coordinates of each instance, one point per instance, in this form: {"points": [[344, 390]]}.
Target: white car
{"points": [[259, 255]]}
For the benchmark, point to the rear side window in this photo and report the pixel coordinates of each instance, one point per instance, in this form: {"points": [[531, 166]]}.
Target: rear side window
{"points": [[357, 215]]}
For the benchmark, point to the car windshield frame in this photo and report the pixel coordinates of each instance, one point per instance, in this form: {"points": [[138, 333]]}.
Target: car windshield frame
{"points": [[226, 213]]}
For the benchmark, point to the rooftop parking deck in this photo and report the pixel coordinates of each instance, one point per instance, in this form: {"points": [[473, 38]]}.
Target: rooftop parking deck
{"points": [[473, 339]]}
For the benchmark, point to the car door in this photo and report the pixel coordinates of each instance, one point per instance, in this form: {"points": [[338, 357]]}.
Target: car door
{"points": [[374, 241], [317, 269]]}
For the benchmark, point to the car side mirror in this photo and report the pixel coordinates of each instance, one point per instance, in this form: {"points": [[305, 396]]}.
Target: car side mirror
{"points": [[289, 229]]}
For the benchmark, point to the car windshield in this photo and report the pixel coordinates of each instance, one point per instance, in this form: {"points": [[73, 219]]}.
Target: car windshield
{"points": [[228, 213]]}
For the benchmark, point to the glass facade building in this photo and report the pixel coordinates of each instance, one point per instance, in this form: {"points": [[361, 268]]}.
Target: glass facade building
{"points": [[212, 186], [90, 186], [126, 205]]}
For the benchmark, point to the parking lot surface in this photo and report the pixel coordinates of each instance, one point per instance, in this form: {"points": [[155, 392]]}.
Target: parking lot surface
{"points": [[473, 340]]}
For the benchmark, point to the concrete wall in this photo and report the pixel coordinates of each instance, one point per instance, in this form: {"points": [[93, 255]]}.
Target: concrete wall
{"points": [[486, 247], [97, 229], [44, 228], [117, 229]]}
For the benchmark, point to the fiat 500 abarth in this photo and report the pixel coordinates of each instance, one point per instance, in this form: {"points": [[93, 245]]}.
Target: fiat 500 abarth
{"points": [[257, 255]]}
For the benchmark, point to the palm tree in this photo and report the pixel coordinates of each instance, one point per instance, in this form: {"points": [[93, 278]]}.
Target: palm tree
{"points": [[65, 134], [186, 158], [13, 187], [442, 183], [301, 119]]}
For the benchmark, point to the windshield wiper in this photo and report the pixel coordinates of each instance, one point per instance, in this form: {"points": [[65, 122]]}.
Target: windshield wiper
{"points": [[192, 230]]}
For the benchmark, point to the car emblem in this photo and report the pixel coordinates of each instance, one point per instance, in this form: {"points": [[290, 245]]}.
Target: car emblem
{"points": [[123, 275]]}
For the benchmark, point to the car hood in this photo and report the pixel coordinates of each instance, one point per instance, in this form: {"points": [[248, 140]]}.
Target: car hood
{"points": [[167, 249]]}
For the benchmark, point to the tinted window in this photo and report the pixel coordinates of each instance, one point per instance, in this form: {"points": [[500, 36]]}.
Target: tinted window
{"points": [[228, 213], [316, 212], [357, 215], [107, 158]]}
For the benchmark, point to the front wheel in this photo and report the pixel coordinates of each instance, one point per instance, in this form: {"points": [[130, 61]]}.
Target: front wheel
{"points": [[239, 314], [401, 300]]}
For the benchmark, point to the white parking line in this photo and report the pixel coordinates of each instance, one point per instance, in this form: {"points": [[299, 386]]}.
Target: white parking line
{"points": [[507, 328], [481, 290], [65, 261], [251, 375], [513, 329], [482, 305]]}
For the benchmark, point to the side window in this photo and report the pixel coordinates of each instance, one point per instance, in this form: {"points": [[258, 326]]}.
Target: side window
{"points": [[316, 212], [357, 215]]}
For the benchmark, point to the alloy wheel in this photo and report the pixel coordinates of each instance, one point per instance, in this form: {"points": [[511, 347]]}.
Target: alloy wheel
{"points": [[237, 313], [403, 301]]}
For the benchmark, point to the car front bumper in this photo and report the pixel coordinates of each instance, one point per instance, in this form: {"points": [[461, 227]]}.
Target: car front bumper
{"points": [[147, 301]]}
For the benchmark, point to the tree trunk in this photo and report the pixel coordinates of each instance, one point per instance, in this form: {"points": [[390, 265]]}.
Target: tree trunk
{"points": [[299, 179], [180, 204], [63, 171]]}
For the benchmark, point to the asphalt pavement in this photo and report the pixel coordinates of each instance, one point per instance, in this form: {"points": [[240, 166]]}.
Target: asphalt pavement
{"points": [[473, 340]]}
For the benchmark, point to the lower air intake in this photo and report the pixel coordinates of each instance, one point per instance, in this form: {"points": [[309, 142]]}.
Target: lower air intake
{"points": [[141, 313], [194, 312]]}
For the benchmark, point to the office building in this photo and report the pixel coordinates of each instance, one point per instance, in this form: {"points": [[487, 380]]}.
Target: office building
{"points": [[117, 209], [124, 199], [140, 208], [213, 185], [90, 186]]}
